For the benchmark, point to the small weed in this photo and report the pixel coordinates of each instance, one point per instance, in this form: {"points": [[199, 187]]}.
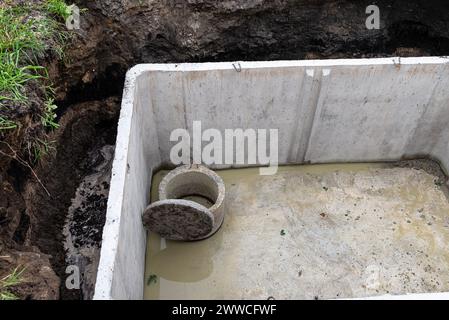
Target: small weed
{"points": [[283, 233], [152, 279], [12, 279], [49, 116], [6, 124], [9, 281], [41, 148], [6, 295]]}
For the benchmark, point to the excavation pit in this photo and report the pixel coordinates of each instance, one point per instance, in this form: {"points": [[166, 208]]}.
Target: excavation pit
{"points": [[332, 111]]}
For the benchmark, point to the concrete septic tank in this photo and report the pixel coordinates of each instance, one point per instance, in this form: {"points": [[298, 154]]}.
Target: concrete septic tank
{"points": [[331, 111]]}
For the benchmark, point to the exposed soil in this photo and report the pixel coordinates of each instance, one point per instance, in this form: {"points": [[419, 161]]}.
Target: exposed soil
{"points": [[117, 34], [86, 128], [86, 218]]}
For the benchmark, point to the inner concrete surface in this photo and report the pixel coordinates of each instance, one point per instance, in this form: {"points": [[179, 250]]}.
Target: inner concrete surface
{"points": [[326, 111], [314, 232]]}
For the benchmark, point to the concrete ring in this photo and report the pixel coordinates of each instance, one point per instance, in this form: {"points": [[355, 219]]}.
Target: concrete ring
{"points": [[198, 180], [176, 218]]}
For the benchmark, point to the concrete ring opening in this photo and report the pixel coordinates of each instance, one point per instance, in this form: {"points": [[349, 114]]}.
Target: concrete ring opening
{"points": [[198, 184], [190, 206], [193, 182]]}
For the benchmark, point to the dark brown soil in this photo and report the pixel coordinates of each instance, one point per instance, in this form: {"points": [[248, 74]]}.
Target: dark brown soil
{"points": [[84, 128], [117, 34]]}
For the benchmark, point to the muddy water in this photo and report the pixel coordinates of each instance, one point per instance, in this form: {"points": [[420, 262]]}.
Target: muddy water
{"points": [[326, 231]]}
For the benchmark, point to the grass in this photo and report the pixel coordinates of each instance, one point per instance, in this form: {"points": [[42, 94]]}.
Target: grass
{"points": [[17, 32], [59, 8], [6, 124], [13, 76], [9, 281], [41, 147], [28, 29], [29, 32]]}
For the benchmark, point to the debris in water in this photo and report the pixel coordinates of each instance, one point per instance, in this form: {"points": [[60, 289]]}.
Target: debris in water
{"points": [[151, 279]]}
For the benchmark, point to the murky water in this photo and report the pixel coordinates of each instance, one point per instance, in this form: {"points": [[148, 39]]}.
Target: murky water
{"points": [[306, 232]]}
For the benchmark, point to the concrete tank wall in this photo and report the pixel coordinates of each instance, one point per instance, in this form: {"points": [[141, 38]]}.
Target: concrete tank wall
{"points": [[326, 111]]}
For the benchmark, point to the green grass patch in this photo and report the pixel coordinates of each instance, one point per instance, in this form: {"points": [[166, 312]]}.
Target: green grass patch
{"points": [[9, 281], [59, 8], [27, 29], [27, 33], [17, 30], [6, 124], [14, 76]]}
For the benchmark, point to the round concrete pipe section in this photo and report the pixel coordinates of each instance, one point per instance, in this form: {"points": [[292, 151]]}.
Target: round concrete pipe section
{"points": [[176, 218], [199, 181]]}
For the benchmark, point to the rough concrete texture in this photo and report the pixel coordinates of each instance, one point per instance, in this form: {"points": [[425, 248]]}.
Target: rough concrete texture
{"points": [[178, 219], [196, 180], [326, 111], [314, 232]]}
